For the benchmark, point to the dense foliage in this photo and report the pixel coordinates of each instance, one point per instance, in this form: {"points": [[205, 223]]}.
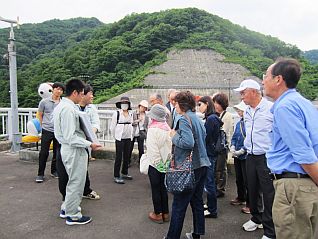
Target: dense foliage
{"points": [[312, 56], [116, 57]]}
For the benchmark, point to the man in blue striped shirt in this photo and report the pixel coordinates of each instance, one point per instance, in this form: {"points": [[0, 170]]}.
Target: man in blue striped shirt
{"points": [[258, 122], [292, 157]]}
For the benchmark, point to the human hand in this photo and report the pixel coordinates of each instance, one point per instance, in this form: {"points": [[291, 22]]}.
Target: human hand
{"points": [[238, 153], [232, 149], [96, 146], [172, 133]]}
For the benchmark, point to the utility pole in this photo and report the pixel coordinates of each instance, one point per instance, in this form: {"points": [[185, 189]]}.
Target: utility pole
{"points": [[15, 135]]}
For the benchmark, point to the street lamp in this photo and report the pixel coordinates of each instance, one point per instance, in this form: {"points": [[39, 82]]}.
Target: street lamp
{"points": [[84, 77], [14, 134], [229, 87]]}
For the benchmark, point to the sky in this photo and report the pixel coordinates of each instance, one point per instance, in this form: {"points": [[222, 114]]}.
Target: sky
{"points": [[292, 21]]}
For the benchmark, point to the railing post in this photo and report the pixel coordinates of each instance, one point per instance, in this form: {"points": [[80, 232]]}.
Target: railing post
{"points": [[9, 124]]}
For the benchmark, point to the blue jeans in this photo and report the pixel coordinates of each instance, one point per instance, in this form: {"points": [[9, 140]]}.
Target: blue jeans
{"points": [[180, 204], [210, 187]]}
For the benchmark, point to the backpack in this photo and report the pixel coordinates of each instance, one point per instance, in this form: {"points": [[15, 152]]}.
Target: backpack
{"points": [[221, 144]]}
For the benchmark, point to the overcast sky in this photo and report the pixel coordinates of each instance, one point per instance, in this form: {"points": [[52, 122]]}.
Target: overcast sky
{"points": [[293, 21]]}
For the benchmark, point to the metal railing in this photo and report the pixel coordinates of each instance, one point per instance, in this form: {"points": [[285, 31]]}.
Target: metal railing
{"points": [[26, 114]]}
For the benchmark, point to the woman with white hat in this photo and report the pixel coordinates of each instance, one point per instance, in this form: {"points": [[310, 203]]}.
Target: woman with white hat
{"points": [[140, 125], [239, 154]]}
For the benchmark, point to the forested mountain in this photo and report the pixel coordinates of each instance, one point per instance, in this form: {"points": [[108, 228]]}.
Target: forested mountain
{"points": [[34, 41], [118, 56], [312, 56]]}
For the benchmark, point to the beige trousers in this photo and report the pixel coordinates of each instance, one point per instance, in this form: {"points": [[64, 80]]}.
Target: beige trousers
{"points": [[295, 208]]}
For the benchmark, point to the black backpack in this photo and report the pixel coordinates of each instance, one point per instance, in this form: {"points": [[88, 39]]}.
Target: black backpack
{"points": [[221, 144]]}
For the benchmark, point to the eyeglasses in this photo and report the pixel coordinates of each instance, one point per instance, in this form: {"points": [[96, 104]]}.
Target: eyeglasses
{"points": [[265, 76]]}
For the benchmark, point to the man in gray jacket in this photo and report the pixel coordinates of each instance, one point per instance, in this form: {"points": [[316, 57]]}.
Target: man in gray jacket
{"points": [[73, 150]]}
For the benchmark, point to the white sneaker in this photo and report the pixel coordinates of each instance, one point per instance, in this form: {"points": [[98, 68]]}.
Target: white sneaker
{"points": [[188, 235], [251, 226], [265, 237]]}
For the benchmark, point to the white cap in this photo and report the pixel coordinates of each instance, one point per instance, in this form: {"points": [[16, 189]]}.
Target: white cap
{"points": [[143, 103], [251, 84], [241, 106]]}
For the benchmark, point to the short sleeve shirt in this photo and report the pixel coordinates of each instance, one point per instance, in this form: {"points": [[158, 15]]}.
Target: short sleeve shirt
{"points": [[46, 106]]}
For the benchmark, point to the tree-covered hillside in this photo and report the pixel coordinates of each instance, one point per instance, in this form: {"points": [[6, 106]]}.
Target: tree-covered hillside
{"points": [[312, 56], [34, 41], [118, 56]]}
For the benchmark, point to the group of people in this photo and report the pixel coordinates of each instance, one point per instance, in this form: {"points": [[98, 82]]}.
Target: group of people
{"points": [[60, 122], [275, 150], [274, 146]]}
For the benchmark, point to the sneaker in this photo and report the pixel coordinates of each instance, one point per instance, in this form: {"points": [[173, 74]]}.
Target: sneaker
{"points": [[246, 210], [39, 179], [236, 202], [92, 195], [92, 159], [265, 237], [188, 235], [78, 221], [119, 180], [208, 214], [54, 175], [251, 226], [126, 176], [62, 214], [205, 206]]}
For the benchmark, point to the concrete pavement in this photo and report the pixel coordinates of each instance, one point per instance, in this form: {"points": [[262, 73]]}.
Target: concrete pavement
{"points": [[30, 210]]}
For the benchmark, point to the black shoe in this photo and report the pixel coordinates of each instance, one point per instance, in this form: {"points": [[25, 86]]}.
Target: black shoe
{"points": [[220, 194], [126, 176], [207, 214], [78, 221], [39, 179], [119, 180], [54, 175]]}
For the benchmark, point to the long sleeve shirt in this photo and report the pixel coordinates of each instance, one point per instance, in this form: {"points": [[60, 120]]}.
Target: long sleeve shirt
{"points": [[294, 135], [258, 125], [92, 113], [67, 126]]}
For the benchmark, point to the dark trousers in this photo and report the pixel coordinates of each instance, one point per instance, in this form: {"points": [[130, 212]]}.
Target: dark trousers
{"points": [[210, 187], [158, 190], [46, 138], [241, 180], [180, 204], [141, 149], [221, 172], [258, 179], [63, 176], [122, 156]]}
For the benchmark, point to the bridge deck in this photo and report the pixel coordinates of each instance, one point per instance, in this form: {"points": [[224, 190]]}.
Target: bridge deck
{"points": [[30, 210]]}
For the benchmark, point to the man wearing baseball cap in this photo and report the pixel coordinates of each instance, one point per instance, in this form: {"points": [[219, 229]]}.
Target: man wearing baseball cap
{"points": [[258, 122]]}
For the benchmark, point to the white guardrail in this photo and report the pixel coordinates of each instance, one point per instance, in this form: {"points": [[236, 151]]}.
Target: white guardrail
{"points": [[26, 114]]}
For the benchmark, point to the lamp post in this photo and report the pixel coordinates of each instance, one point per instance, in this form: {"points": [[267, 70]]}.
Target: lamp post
{"points": [[85, 77], [14, 134], [229, 87]]}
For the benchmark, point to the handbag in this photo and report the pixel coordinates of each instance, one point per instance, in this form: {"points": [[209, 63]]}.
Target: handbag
{"points": [[144, 164], [181, 178]]}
